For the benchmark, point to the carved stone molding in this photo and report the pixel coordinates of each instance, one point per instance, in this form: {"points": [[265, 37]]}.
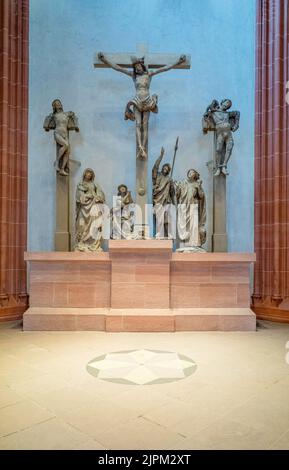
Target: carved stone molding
{"points": [[271, 280], [13, 156]]}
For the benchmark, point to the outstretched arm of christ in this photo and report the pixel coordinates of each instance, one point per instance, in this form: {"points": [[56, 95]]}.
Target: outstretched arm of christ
{"points": [[114, 66], [156, 166], [180, 60]]}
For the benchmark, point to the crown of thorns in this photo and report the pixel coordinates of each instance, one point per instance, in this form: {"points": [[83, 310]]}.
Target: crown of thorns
{"points": [[137, 60]]}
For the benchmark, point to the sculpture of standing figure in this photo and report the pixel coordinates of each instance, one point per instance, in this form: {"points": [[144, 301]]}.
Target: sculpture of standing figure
{"points": [[89, 213], [139, 108], [163, 197], [217, 118], [122, 214], [62, 122], [191, 212]]}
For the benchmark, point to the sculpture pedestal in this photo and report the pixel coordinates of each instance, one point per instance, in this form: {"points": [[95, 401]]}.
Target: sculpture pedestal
{"points": [[219, 237], [139, 285], [62, 232]]}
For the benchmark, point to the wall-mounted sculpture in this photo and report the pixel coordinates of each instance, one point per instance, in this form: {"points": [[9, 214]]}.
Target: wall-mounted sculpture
{"points": [[61, 122], [223, 122]]}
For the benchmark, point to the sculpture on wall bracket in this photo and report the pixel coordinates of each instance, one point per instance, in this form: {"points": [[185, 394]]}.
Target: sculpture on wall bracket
{"points": [[191, 201], [223, 122], [122, 215], [89, 213], [61, 122]]}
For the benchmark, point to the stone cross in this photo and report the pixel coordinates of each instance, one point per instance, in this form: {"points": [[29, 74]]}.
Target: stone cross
{"points": [[122, 62]]}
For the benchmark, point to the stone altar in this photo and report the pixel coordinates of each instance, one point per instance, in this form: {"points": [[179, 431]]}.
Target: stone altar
{"points": [[139, 285]]}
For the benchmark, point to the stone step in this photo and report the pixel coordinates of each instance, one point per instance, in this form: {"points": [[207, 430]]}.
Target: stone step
{"points": [[139, 320]]}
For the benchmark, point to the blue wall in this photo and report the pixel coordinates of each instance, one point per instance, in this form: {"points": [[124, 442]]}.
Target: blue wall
{"points": [[65, 34]]}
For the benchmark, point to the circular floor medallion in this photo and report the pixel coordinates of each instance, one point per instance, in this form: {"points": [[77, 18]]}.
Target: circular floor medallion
{"points": [[141, 367]]}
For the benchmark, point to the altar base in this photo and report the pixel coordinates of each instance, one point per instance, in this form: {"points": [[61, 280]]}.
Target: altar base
{"points": [[139, 285]]}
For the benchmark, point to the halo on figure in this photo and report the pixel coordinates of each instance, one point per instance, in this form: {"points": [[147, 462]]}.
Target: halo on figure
{"points": [[91, 171]]}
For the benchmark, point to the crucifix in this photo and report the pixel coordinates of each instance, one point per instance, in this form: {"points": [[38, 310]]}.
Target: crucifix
{"points": [[62, 122], [144, 66]]}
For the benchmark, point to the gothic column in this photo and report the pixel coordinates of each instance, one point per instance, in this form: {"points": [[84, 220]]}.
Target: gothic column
{"points": [[271, 278], [13, 156]]}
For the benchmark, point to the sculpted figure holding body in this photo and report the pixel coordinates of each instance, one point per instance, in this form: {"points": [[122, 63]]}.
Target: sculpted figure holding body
{"points": [[218, 118]]}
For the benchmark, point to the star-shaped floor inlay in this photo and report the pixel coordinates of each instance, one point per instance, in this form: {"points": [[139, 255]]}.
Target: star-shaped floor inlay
{"points": [[141, 367]]}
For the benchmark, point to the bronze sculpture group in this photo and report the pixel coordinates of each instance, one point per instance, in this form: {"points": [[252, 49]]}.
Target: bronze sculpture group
{"points": [[181, 201]]}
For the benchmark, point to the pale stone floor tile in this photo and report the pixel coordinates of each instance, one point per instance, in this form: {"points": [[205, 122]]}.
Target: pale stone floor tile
{"points": [[265, 413], [51, 434], [142, 399], [96, 419], [90, 444], [225, 434], [32, 354], [63, 399], [282, 443], [8, 397], [239, 391], [140, 434], [186, 419], [43, 383], [20, 416], [16, 375], [199, 405]]}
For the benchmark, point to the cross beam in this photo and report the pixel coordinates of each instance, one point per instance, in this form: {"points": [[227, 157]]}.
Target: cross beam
{"points": [[154, 61]]}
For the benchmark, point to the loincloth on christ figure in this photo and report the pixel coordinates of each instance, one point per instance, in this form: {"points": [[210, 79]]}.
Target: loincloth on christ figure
{"points": [[148, 104]]}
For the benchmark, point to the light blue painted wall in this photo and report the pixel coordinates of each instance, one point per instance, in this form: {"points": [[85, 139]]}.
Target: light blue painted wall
{"points": [[65, 34]]}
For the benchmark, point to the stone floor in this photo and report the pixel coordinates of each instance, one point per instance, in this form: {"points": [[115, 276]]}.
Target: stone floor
{"points": [[235, 397]]}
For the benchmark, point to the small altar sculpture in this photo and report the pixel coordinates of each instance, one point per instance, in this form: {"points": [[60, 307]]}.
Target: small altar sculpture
{"points": [[122, 214], [191, 212], [89, 213], [217, 118], [62, 122], [163, 197]]}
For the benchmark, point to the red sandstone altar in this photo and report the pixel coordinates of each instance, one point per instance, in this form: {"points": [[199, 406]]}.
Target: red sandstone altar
{"points": [[139, 285]]}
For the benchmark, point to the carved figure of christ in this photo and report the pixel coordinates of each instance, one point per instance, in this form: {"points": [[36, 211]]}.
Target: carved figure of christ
{"points": [[143, 69]]}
